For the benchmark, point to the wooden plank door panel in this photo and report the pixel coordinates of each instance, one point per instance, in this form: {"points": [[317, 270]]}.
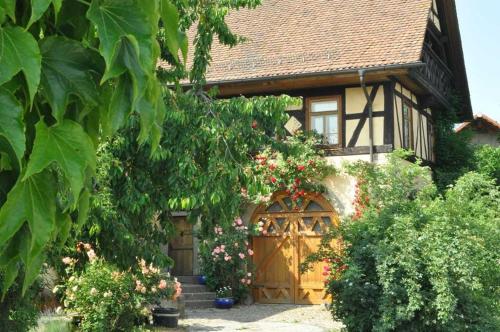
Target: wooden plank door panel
{"points": [[181, 248]]}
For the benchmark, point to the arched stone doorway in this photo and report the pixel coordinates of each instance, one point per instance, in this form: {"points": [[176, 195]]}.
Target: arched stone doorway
{"points": [[291, 232]]}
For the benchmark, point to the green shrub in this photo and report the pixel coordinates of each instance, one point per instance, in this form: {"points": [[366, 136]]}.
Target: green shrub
{"points": [[415, 261], [109, 299], [18, 313], [224, 258], [487, 161]]}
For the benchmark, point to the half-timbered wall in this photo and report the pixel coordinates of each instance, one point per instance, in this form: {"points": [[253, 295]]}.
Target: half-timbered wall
{"points": [[421, 133]]}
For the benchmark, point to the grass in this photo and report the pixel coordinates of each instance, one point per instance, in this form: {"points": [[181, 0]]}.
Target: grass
{"points": [[53, 324]]}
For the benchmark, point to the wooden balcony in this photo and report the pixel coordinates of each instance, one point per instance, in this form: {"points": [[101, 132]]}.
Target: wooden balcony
{"points": [[435, 76]]}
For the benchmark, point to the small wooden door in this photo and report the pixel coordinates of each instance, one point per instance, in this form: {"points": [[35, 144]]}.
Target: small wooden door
{"points": [[292, 232], [181, 248]]}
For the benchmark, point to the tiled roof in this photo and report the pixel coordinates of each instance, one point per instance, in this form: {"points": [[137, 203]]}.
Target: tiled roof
{"points": [[491, 123], [295, 37]]}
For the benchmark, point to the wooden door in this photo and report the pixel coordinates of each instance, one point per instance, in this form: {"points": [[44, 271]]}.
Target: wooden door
{"points": [[181, 248], [291, 233]]}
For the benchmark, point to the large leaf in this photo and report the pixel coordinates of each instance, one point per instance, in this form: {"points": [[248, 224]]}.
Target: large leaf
{"points": [[66, 71], [67, 145], [33, 201], [9, 7], [118, 110], [38, 7], [170, 18], [19, 52], [116, 19], [11, 125]]}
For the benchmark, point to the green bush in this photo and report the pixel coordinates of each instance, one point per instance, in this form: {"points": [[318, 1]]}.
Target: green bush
{"points": [[18, 313], [109, 299], [487, 161], [416, 261], [224, 258]]}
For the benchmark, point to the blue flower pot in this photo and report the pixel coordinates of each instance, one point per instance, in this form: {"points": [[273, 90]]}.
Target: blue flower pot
{"points": [[224, 303], [202, 280]]}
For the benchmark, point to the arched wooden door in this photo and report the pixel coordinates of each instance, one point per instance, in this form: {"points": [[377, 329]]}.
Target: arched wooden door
{"points": [[291, 232]]}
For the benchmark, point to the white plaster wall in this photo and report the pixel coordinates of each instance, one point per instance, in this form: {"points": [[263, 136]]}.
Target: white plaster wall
{"points": [[340, 189]]}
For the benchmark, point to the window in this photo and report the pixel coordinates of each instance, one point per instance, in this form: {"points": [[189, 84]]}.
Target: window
{"points": [[324, 118], [407, 130]]}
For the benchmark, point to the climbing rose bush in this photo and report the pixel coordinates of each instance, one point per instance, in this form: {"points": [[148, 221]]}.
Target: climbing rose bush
{"points": [[225, 259], [109, 299], [297, 168]]}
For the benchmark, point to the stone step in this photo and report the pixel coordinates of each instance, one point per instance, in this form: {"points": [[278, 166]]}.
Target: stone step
{"points": [[198, 296], [188, 279], [199, 304], [194, 288]]}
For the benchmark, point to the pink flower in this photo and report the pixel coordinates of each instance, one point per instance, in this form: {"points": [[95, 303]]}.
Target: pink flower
{"points": [[238, 221], [243, 281], [264, 232], [250, 252], [261, 229], [227, 258], [67, 260], [162, 284], [222, 247], [91, 254], [87, 246], [217, 250], [249, 281], [242, 255]]}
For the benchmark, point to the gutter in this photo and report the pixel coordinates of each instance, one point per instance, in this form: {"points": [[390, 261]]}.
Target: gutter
{"points": [[316, 74]]}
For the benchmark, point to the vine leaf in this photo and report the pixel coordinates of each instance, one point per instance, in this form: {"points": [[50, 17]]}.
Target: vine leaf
{"points": [[67, 69], [175, 39], [11, 126], [116, 19], [19, 52], [9, 7], [39, 7], [69, 146], [32, 201], [120, 106]]}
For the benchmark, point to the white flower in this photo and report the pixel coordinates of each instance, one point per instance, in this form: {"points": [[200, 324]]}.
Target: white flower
{"points": [[59, 310], [93, 291], [74, 289]]}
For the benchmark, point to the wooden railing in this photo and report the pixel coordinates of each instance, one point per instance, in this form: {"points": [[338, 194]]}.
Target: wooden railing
{"points": [[436, 73]]}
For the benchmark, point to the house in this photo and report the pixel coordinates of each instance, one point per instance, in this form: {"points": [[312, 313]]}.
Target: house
{"points": [[371, 74], [484, 130]]}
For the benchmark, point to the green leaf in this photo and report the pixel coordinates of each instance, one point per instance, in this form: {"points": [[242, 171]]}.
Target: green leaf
{"points": [[120, 106], [67, 69], [19, 52], [66, 144], [116, 19], [32, 200], [38, 7], [10, 8], [170, 17], [11, 126], [63, 227], [83, 209]]}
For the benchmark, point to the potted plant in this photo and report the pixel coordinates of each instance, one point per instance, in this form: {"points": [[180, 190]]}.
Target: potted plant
{"points": [[224, 298], [202, 279]]}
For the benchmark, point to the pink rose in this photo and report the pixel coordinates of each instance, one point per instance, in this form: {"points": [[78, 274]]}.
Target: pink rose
{"points": [[249, 281], [243, 280], [67, 260], [91, 254], [242, 255], [162, 284], [239, 222], [227, 258], [250, 252]]}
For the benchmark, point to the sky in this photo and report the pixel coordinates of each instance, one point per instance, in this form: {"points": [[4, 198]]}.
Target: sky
{"points": [[480, 30]]}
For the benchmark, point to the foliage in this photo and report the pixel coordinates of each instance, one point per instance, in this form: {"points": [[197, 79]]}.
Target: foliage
{"points": [[296, 167], [224, 292], [487, 161], [224, 259], [68, 70], [454, 152], [71, 72], [413, 260], [109, 299], [17, 313]]}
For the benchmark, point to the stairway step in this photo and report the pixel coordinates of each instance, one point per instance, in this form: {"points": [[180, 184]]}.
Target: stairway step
{"points": [[199, 304], [194, 288], [188, 279], [199, 296]]}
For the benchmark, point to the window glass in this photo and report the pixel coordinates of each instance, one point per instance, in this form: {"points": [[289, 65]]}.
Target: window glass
{"points": [[324, 106], [318, 124], [332, 130]]}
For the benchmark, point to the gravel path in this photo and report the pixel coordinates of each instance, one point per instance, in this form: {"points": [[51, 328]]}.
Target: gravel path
{"points": [[261, 317]]}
